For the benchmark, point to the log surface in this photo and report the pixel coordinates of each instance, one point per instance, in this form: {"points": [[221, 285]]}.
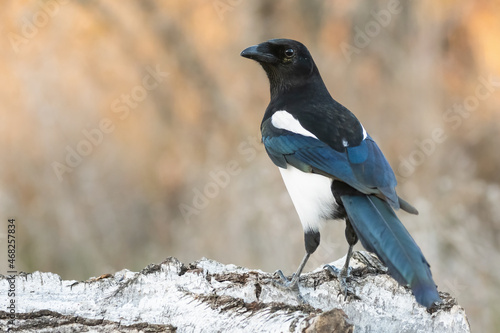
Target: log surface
{"points": [[207, 296]]}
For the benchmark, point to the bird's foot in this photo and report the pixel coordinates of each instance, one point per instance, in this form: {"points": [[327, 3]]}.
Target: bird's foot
{"points": [[288, 284], [284, 283], [342, 275]]}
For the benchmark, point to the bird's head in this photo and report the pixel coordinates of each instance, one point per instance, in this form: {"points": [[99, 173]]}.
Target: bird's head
{"points": [[287, 62]]}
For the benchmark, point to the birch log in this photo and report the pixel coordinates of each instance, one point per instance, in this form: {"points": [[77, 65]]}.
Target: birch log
{"points": [[207, 296]]}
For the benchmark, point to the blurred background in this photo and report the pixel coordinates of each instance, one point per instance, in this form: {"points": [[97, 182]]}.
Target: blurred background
{"points": [[129, 132]]}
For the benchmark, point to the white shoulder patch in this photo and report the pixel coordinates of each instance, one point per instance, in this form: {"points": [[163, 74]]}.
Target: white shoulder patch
{"points": [[284, 120], [364, 132]]}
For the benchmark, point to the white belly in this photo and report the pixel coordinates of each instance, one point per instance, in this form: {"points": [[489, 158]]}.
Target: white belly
{"points": [[311, 195]]}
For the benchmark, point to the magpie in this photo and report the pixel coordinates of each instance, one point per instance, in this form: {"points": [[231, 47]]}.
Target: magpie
{"points": [[333, 169]]}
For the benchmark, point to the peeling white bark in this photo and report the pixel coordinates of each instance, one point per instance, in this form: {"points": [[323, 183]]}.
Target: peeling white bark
{"points": [[207, 296]]}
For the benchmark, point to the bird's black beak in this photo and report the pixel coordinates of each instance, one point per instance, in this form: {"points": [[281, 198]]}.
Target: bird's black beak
{"points": [[259, 53]]}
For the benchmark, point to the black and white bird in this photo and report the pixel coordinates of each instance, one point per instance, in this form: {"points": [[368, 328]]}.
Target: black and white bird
{"points": [[333, 169]]}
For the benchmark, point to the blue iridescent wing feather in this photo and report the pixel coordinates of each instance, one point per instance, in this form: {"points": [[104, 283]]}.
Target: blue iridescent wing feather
{"points": [[363, 167]]}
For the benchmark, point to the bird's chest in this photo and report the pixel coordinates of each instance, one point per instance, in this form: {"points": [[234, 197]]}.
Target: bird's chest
{"points": [[311, 195]]}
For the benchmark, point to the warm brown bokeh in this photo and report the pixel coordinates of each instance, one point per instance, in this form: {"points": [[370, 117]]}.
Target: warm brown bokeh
{"points": [[76, 76]]}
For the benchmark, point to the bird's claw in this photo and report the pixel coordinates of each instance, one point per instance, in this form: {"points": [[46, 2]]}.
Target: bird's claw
{"points": [[342, 275], [284, 283], [291, 284], [338, 272]]}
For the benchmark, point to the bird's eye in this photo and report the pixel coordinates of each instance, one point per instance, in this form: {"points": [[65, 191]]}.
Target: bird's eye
{"points": [[289, 53]]}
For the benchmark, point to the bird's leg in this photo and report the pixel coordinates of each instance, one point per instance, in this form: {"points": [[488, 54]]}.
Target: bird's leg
{"points": [[293, 283], [311, 241], [343, 274]]}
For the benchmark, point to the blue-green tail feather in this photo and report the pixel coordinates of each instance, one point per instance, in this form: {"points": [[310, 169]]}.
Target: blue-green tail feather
{"points": [[381, 232]]}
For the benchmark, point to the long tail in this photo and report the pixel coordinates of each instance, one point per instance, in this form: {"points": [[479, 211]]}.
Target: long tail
{"points": [[381, 232]]}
